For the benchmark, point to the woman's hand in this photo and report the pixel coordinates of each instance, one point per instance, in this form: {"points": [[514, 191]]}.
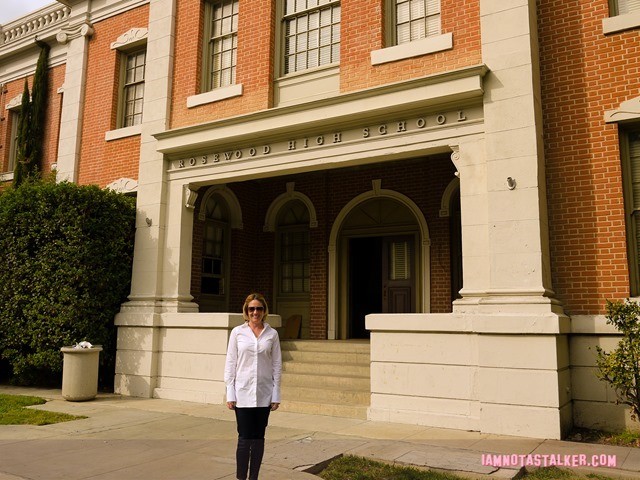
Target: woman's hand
{"points": [[231, 405], [274, 406]]}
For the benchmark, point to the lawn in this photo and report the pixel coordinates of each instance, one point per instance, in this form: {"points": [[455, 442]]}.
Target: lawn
{"points": [[357, 468], [13, 411]]}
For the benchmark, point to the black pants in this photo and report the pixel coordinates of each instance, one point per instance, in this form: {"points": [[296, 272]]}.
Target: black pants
{"points": [[252, 422]]}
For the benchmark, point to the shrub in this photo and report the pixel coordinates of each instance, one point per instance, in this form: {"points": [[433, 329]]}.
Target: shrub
{"points": [[66, 268], [621, 367]]}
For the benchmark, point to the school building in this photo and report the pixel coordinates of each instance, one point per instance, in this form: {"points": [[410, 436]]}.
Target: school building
{"points": [[437, 197]]}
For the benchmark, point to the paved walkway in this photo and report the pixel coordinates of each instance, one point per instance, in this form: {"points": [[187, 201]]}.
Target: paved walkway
{"points": [[127, 438]]}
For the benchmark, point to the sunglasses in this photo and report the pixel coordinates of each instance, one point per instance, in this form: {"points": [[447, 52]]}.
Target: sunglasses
{"points": [[255, 309]]}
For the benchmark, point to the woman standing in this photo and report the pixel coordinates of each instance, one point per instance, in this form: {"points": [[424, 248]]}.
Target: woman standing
{"points": [[252, 376]]}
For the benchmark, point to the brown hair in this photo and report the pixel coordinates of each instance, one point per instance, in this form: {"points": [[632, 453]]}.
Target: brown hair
{"points": [[249, 299]]}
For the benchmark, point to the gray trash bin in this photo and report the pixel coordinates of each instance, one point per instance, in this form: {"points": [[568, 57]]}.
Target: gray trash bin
{"points": [[80, 373]]}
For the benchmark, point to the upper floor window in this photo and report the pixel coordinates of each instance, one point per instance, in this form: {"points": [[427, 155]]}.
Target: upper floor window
{"points": [[14, 120], [311, 34], [627, 6], [416, 19], [221, 47], [133, 88]]}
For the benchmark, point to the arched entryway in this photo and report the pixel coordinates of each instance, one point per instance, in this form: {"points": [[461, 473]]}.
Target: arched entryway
{"points": [[378, 261]]}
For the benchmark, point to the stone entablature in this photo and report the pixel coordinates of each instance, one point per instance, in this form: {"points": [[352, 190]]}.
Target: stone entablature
{"points": [[37, 24]]}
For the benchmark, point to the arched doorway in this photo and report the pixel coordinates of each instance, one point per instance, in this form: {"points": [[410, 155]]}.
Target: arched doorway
{"points": [[379, 260]]}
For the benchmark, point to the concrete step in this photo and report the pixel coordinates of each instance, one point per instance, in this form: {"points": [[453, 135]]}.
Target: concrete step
{"points": [[326, 395], [350, 346], [337, 358], [350, 411], [347, 382], [313, 368]]}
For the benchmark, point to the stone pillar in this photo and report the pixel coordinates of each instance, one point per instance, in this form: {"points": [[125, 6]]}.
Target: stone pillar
{"points": [[523, 382], [152, 288], [77, 35]]}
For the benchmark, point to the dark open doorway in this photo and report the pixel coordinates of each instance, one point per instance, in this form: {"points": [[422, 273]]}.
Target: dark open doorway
{"points": [[365, 282]]}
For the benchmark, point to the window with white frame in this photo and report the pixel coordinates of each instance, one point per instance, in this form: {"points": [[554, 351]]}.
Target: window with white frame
{"points": [[134, 64], [221, 47], [631, 170], [414, 20], [311, 34]]}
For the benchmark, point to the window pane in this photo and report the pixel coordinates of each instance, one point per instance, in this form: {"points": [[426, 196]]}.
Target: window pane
{"points": [[315, 26], [416, 19], [223, 43], [628, 6]]}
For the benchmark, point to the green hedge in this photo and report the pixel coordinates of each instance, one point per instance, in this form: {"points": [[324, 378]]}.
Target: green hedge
{"points": [[66, 268]]}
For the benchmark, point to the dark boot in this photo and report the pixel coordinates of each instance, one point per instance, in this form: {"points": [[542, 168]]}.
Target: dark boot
{"points": [[242, 458], [257, 452]]}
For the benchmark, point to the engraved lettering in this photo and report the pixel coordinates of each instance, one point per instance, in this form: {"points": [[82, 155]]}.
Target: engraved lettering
{"points": [[216, 158], [365, 132], [252, 152], [337, 137], [382, 129], [461, 116], [306, 143], [181, 163], [266, 150], [441, 119], [292, 144], [192, 161], [421, 123], [402, 126], [228, 155], [238, 154], [204, 159], [320, 140]]}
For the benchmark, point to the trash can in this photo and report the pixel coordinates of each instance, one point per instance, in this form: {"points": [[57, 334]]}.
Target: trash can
{"points": [[80, 373]]}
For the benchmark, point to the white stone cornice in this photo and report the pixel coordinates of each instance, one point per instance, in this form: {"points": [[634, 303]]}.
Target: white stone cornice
{"points": [[124, 185], [133, 37], [628, 110], [69, 33], [35, 24]]}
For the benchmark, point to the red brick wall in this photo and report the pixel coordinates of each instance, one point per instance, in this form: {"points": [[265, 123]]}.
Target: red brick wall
{"points": [[254, 65], [423, 181], [362, 31], [52, 127], [584, 74], [103, 162]]}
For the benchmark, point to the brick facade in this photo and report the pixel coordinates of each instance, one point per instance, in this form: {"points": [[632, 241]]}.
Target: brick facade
{"points": [[584, 74]]}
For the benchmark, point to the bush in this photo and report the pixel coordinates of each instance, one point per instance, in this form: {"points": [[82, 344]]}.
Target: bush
{"points": [[621, 367], [66, 268]]}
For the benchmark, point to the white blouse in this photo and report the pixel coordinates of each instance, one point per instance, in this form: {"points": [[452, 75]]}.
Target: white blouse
{"points": [[253, 367]]}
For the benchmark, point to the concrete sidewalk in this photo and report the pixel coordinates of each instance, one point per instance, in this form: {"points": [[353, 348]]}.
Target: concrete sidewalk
{"points": [[133, 438]]}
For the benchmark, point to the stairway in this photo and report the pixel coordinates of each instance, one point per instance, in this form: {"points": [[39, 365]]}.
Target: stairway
{"points": [[326, 377]]}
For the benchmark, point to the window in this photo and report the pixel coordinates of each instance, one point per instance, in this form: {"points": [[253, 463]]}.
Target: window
{"points": [[627, 6], [311, 34], [14, 120], [631, 152], [221, 44], [294, 248], [216, 235], [415, 19], [133, 89]]}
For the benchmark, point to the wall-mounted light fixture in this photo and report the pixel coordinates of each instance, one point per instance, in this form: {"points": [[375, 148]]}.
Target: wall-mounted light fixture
{"points": [[511, 183]]}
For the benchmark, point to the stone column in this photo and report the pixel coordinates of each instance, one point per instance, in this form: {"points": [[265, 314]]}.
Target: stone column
{"points": [[77, 35], [141, 317]]}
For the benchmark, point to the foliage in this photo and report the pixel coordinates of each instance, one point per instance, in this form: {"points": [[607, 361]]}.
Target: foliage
{"points": [[356, 468], [13, 411], [621, 367], [23, 151], [65, 269], [32, 120]]}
